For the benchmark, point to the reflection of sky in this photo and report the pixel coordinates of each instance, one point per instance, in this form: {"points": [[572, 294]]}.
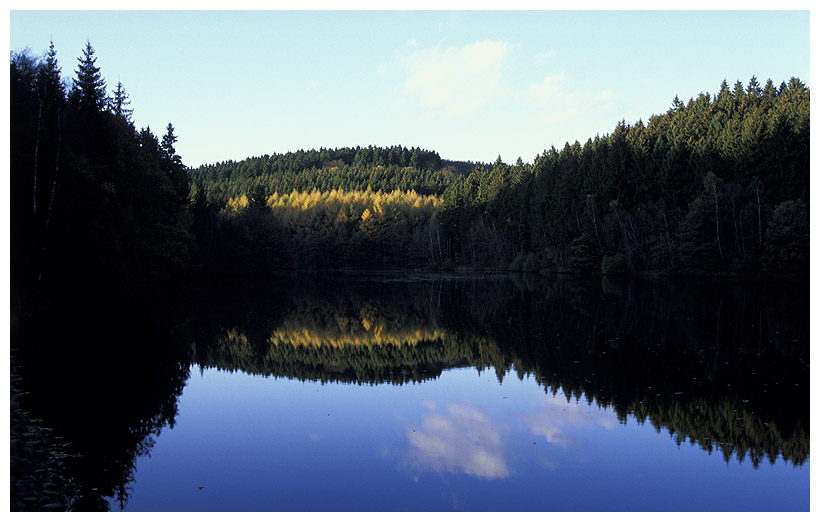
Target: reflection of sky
{"points": [[556, 416], [466, 440], [248, 443], [463, 440]]}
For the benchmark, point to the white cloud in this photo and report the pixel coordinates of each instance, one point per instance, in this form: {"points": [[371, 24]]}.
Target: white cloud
{"points": [[555, 103], [456, 80]]}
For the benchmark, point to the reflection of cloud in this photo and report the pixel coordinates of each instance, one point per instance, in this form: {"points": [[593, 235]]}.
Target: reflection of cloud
{"points": [[457, 80], [462, 441], [556, 416], [555, 103]]}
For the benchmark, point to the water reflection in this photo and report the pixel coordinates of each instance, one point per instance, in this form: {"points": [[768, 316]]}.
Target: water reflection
{"points": [[723, 366], [556, 415], [106, 379], [461, 439], [715, 364]]}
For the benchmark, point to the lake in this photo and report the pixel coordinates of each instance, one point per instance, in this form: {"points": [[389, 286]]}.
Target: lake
{"points": [[412, 392]]}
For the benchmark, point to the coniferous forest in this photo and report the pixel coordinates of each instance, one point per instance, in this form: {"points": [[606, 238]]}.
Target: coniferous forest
{"points": [[715, 185]]}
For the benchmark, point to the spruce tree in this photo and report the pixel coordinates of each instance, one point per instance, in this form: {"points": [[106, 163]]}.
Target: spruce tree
{"points": [[173, 164], [89, 87], [119, 102]]}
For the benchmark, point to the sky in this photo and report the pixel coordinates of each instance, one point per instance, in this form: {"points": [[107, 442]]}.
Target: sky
{"points": [[471, 85]]}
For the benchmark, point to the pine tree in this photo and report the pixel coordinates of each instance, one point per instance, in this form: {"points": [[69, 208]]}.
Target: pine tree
{"points": [[173, 164], [119, 102], [89, 87], [49, 76], [50, 94]]}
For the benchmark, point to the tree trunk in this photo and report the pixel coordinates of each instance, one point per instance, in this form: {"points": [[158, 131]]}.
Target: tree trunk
{"points": [[37, 152], [51, 199], [717, 222]]}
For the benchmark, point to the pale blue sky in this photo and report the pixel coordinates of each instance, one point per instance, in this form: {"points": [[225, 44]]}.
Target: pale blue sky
{"points": [[470, 85]]}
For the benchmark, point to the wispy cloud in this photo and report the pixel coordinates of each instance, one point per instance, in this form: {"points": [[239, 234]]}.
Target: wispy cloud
{"points": [[456, 80], [555, 102]]}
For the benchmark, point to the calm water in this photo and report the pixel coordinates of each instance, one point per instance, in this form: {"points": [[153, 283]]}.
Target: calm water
{"points": [[425, 394]]}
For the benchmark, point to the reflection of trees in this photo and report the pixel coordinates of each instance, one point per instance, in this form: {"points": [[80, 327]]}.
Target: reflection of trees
{"points": [[105, 379], [363, 364], [715, 364], [370, 333], [721, 366], [364, 331], [710, 363]]}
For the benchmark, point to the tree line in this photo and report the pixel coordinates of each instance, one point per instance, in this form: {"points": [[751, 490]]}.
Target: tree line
{"points": [[379, 168], [715, 185]]}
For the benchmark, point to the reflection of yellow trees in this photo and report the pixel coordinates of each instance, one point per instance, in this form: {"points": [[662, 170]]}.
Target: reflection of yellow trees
{"points": [[364, 340], [369, 336]]}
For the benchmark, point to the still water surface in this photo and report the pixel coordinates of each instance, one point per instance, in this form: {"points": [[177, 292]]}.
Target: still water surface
{"points": [[419, 393], [461, 442]]}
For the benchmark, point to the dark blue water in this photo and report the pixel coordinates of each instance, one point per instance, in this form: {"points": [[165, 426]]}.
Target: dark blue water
{"points": [[461, 442], [422, 393]]}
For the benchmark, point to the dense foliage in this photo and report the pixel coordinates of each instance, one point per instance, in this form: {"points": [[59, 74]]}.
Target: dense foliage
{"points": [[719, 184], [380, 169], [93, 199], [331, 208], [716, 185]]}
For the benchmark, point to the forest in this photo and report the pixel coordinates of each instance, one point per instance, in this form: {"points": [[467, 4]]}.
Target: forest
{"points": [[714, 186]]}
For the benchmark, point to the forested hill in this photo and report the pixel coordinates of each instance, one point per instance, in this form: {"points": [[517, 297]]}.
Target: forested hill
{"points": [[716, 185], [380, 168]]}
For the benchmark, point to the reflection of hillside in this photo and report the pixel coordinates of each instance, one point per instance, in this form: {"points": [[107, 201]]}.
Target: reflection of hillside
{"points": [[729, 427], [364, 331], [708, 363], [404, 359]]}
